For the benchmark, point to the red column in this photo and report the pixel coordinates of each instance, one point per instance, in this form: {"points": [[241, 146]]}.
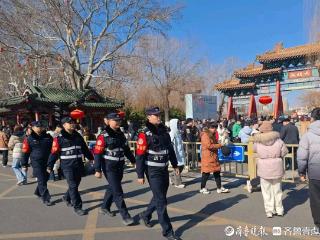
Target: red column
{"points": [[37, 116], [252, 110], [230, 108], [278, 106]]}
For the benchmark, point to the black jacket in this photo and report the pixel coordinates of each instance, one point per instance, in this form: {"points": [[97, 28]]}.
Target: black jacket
{"points": [[190, 134], [110, 140], [290, 134], [37, 148], [160, 139], [69, 148], [277, 126]]}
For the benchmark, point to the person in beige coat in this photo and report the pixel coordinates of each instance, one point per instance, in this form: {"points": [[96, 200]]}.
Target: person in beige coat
{"points": [[4, 147], [270, 151], [15, 144]]}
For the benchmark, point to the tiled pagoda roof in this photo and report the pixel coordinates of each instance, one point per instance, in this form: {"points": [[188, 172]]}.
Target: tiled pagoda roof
{"points": [[255, 71], [233, 84], [281, 53], [62, 96]]}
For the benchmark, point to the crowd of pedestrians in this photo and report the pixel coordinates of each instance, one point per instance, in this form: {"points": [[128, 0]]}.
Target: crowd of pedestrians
{"points": [[270, 138]]}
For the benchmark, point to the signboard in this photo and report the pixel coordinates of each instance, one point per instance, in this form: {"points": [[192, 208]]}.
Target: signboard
{"points": [[300, 74], [201, 106], [236, 155]]}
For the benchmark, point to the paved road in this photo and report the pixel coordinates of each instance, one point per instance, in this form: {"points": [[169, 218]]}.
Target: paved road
{"points": [[194, 216]]}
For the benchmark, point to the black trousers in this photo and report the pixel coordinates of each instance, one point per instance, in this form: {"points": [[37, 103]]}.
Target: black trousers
{"points": [[314, 194], [4, 157], [159, 182], [114, 193], [205, 177], [73, 176], [42, 177]]}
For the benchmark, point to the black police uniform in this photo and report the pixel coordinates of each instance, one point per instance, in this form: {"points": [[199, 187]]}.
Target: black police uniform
{"points": [[154, 151], [70, 148], [38, 148], [110, 152]]}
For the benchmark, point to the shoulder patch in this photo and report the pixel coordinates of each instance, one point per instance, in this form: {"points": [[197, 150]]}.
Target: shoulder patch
{"points": [[141, 144]]}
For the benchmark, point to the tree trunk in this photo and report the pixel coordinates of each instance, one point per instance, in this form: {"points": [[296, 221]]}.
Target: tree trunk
{"points": [[166, 108], [166, 115], [220, 109]]}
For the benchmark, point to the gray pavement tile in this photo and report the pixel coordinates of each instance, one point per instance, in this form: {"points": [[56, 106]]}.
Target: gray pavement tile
{"points": [[189, 210], [30, 215]]}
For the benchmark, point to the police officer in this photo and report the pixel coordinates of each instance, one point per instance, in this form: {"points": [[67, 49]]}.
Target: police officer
{"points": [[37, 146], [70, 147], [154, 151], [110, 152]]}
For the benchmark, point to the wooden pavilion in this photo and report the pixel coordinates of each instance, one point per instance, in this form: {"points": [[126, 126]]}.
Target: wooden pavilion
{"points": [[51, 104]]}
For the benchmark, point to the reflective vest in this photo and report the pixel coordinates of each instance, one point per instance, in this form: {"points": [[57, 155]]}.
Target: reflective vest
{"points": [[72, 152], [113, 150], [157, 152]]}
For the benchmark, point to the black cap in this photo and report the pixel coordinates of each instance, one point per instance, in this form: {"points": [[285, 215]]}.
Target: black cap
{"points": [[67, 120], [36, 124], [189, 120], [225, 151], [287, 119], [113, 116], [153, 111], [213, 125]]}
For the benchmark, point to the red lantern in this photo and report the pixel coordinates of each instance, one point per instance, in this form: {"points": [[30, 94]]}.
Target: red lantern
{"points": [[265, 100], [122, 114], [77, 114]]}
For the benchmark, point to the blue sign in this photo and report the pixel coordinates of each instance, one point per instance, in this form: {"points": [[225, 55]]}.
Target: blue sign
{"points": [[237, 154]]}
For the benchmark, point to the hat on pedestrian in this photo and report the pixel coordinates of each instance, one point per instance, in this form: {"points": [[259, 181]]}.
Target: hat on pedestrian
{"points": [[213, 125], [266, 126], [226, 151], [153, 111], [36, 124], [189, 120], [67, 120], [286, 119], [113, 116]]}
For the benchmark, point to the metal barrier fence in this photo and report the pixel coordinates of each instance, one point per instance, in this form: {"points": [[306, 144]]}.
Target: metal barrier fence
{"points": [[247, 169]]}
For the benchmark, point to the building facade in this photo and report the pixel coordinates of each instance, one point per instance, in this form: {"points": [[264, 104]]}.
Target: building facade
{"points": [[279, 70], [51, 104]]}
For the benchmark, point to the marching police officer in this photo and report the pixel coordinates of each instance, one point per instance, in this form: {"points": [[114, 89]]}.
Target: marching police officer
{"points": [[70, 147], [154, 151], [110, 152], [37, 146]]}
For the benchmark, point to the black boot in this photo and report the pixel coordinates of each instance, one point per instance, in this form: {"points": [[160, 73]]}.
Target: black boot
{"points": [[80, 211], [47, 203], [67, 202], [128, 221], [145, 220], [105, 211], [172, 236]]}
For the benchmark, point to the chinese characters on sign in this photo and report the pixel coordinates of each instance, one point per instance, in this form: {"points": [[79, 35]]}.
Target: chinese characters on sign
{"points": [[260, 231], [300, 74]]}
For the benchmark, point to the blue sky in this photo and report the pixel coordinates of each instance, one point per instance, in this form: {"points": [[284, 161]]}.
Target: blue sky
{"points": [[240, 28], [219, 29]]}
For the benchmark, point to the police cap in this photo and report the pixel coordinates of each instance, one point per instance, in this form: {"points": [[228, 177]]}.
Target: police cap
{"points": [[113, 116], [67, 120], [153, 111], [36, 124]]}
